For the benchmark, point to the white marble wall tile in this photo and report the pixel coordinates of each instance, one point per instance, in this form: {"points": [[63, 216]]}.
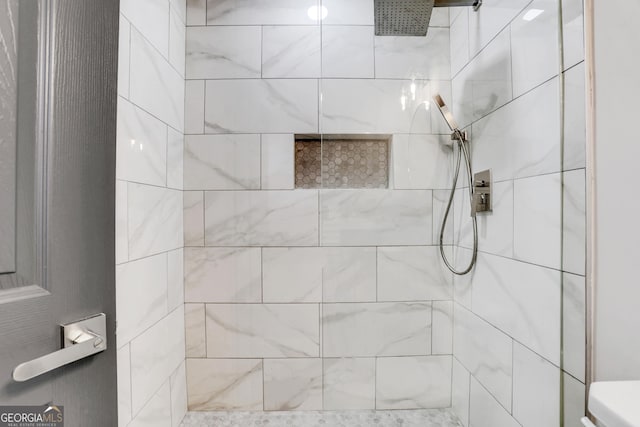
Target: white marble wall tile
{"points": [[223, 52], [261, 106], [157, 411], [292, 274], [316, 274], [534, 43], [180, 7], [490, 19], [574, 118], [574, 325], [196, 12], [193, 218], [352, 12], [537, 223], [438, 124], [574, 222], [460, 384], [485, 411], [495, 229], [376, 217], [439, 17], [151, 19], [412, 273], [421, 162], [485, 352], [440, 200], [426, 58], [413, 382], [222, 162], [377, 106], [222, 275], [155, 220], [536, 389], [349, 274], [574, 397], [195, 331], [177, 35], [277, 159], [442, 328], [141, 295], [462, 285], [349, 383], [175, 169], [261, 218], [292, 384], [572, 32], [484, 85], [154, 84], [261, 12], [521, 299], [175, 279], [122, 238], [194, 106], [347, 51], [459, 41], [291, 51], [522, 138], [155, 355], [141, 146], [124, 45], [224, 384], [376, 329], [454, 13], [178, 383], [124, 385], [266, 330]]}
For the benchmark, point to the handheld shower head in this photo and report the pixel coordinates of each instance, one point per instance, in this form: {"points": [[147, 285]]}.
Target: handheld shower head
{"points": [[448, 117]]}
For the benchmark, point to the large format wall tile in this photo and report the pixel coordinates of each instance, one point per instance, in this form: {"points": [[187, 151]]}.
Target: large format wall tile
{"points": [[490, 19], [376, 217], [266, 330], [194, 100], [291, 51], [151, 18], [224, 384], [442, 327], [193, 218], [223, 52], [349, 383], [261, 218], [412, 273], [195, 334], [319, 274], [154, 84], [277, 159], [485, 352], [485, 411], [414, 57], [141, 146], [261, 106], [175, 160], [292, 384], [124, 384], [352, 12], [574, 227], [575, 126], [460, 383], [421, 162], [155, 220], [353, 59], [155, 355], [572, 32], [261, 12], [574, 325], [413, 382], [222, 275], [459, 41], [222, 162], [376, 329], [521, 299], [157, 411], [496, 236], [178, 383]]}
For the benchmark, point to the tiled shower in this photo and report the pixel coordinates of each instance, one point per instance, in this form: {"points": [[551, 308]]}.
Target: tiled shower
{"points": [[269, 295]]}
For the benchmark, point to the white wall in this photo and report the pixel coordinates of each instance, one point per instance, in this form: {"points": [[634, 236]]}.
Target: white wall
{"points": [[617, 109], [149, 237]]}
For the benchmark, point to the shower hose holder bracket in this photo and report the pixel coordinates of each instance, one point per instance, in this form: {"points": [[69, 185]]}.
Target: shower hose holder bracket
{"points": [[455, 136]]}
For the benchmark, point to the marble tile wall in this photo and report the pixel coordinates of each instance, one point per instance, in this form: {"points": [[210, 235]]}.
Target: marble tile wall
{"points": [[519, 317], [150, 307], [312, 299]]}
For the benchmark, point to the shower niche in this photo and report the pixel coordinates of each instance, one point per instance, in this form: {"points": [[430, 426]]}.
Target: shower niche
{"points": [[342, 160]]}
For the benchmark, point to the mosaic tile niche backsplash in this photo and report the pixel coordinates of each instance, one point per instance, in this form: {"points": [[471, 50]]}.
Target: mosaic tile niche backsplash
{"points": [[342, 161]]}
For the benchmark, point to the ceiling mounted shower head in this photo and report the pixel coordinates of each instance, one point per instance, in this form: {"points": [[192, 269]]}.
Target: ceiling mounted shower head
{"points": [[448, 116]]}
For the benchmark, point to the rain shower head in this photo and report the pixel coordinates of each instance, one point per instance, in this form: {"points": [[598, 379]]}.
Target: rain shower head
{"points": [[410, 17], [448, 116]]}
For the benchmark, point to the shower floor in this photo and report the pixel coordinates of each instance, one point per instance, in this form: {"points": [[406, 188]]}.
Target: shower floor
{"points": [[397, 418]]}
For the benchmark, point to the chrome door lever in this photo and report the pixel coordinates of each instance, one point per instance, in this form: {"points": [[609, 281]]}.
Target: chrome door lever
{"points": [[81, 339]]}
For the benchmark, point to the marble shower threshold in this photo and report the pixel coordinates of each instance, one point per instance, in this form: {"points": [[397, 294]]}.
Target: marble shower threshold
{"points": [[394, 418]]}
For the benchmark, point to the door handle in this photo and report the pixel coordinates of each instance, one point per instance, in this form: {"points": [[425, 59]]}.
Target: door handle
{"points": [[80, 339]]}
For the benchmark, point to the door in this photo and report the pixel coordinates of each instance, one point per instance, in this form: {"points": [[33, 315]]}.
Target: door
{"points": [[58, 75]]}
